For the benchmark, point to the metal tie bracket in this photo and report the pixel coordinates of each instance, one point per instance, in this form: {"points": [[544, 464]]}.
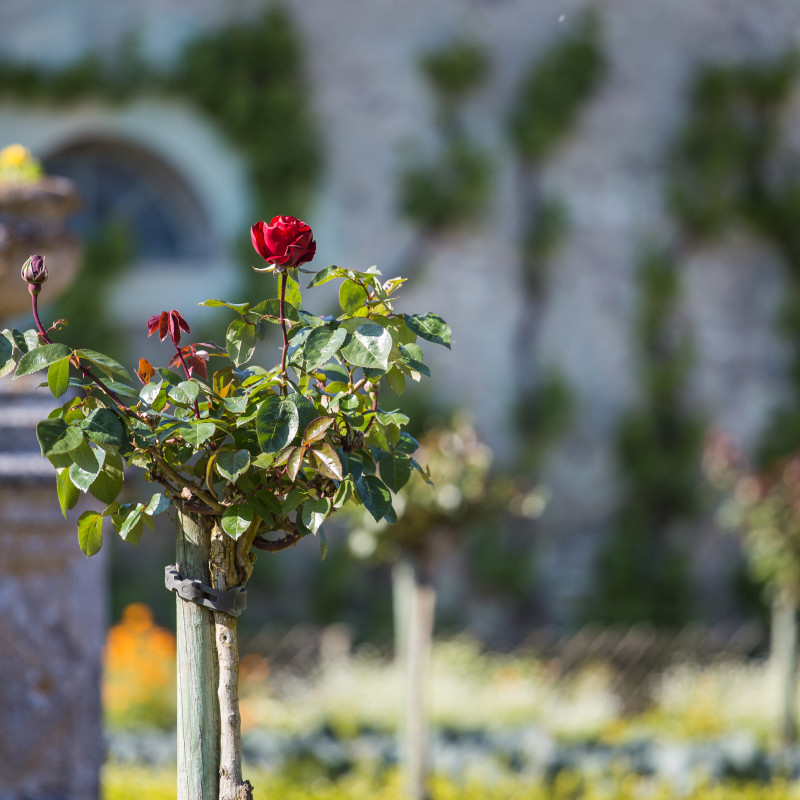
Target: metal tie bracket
{"points": [[233, 601]]}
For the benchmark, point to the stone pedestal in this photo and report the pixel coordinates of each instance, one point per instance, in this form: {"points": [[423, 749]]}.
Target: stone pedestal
{"points": [[52, 598], [52, 623]]}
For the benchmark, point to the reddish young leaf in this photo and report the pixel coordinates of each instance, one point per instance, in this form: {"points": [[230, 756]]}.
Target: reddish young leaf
{"points": [[145, 371]]}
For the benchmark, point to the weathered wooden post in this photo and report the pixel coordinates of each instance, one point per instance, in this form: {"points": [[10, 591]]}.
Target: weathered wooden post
{"points": [[198, 707]]}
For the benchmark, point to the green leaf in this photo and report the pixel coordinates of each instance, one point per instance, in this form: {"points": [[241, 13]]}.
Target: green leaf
{"points": [[407, 444], [108, 483], [84, 478], [277, 422], [352, 296], [375, 496], [240, 341], [231, 464], [149, 392], [293, 296], [414, 367], [195, 433], [237, 519], [349, 402], [320, 346], [105, 362], [265, 504], [104, 426], [270, 310], [368, 345], [29, 340], [344, 492], [395, 470], [323, 544], [85, 457], [68, 493], [41, 357], [236, 405], [90, 532], [56, 437], [293, 499], [429, 326], [306, 410], [392, 418], [7, 362], [396, 380], [324, 275], [264, 460], [131, 528], [316, 429], [241, 308], [184, 394], [314, 512], [158, 504], [294, 461], [57, 376], [326, 461]]}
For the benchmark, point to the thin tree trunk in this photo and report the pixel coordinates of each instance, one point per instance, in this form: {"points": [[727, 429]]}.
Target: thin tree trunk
{"points": [[420, 636], [198, 710], [783, 658], [229, 567]]}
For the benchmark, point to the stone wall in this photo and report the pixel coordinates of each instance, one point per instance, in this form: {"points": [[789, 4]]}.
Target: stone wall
{"points": [[372, 102]]}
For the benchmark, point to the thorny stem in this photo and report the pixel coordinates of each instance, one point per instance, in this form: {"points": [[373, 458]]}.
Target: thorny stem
{"points": [[282, 311], [85, 371], [374, 409]]}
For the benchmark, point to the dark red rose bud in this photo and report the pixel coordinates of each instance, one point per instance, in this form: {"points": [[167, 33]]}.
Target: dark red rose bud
{"points": [[286, 242], [34, 271]]}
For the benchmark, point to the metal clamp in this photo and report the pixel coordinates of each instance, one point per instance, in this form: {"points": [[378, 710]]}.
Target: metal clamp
{"points": [[233, 601]]}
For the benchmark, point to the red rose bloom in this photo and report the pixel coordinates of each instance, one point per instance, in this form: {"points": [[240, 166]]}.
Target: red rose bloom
{"points": [[286, 242]]}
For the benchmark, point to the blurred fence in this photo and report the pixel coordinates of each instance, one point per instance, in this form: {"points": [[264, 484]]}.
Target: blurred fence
{"points": [[635, 656], [638, 655]]}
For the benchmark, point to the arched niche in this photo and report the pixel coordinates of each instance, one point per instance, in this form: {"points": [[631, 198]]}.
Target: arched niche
{"points": [[124, 183]]}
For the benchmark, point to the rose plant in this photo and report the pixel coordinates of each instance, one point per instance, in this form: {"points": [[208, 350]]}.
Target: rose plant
{"points": [[246, 456]]}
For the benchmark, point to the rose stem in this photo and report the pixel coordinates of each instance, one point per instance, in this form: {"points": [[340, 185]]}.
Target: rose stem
{"points": [[282, 311], [87, 373]]}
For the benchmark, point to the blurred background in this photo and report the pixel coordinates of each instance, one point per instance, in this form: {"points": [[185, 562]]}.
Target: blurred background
{"points": [[602, 199]]}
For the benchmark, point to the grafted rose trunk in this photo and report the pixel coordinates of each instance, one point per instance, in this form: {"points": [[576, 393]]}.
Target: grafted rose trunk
{"points": [[230, 567]]}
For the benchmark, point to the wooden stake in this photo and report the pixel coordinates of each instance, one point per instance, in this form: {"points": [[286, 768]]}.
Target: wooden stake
{"points": [[198, 709]]}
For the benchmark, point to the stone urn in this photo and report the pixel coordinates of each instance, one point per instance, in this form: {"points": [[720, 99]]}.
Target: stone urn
{"points": [[33, 219]]}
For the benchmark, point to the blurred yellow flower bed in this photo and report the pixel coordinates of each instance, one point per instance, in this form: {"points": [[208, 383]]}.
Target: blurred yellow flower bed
{"points": [[133, 783]]}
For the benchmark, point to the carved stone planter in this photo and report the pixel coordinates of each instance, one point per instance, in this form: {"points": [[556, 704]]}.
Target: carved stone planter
{"points": [[33, 218]]}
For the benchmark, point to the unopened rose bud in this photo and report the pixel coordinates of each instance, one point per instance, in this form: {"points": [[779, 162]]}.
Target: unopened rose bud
{"points": [[34, 271]]}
